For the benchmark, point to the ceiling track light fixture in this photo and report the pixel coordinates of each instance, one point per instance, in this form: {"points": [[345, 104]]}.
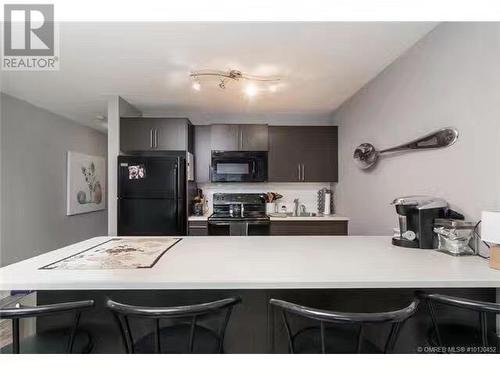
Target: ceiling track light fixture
{"points": [[229, 76]]}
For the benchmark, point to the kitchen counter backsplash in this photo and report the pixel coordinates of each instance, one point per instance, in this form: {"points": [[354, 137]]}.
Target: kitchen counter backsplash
{"points": [[306, 192]]}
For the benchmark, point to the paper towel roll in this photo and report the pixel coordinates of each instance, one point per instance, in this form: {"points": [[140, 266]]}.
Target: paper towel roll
{"points": [[328, 198]]}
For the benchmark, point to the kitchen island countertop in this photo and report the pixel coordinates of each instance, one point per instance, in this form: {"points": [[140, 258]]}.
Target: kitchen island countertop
{"points": [[267, 262]]}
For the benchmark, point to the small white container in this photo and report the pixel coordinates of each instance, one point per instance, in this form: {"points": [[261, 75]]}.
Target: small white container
{"points": [[270, 208], [328, 198]]}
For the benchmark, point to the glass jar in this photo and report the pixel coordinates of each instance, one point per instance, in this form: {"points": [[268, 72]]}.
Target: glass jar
{"points": [[198, 209]]}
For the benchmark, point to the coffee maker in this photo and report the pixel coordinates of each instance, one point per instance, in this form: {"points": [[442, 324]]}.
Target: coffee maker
{"points": [[416, 220]]}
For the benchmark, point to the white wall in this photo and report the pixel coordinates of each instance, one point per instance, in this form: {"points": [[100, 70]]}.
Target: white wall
{"points": [[450, 78], [307, 193], [34, 143]]}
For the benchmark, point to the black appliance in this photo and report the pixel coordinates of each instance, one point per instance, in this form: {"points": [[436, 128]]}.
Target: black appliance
{"points": [[238, 166], [416, 220], [152, 195], [238, 214]]}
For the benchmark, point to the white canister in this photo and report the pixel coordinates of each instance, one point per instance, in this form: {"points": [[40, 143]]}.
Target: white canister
{"points": [[270, 208], [328, 199]]}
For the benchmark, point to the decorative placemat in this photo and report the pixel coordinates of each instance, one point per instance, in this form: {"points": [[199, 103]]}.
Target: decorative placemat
{"points": [[117, 253]]}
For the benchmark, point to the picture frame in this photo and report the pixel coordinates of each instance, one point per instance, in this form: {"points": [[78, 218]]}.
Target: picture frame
{"points": [[86, 183]]}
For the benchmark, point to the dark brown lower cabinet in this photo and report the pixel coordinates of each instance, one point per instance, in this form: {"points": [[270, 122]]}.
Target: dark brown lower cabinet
{"points": [[197, 228], [286, 228], [309, 228]]}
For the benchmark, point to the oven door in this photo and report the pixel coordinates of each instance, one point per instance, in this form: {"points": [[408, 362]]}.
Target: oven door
{"points": [[235, 166], [238, 228]]}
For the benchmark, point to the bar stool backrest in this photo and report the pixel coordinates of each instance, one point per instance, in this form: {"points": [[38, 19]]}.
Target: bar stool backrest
{"points": [[481, 307], [124, 312], [394, 318], [25, 312]]}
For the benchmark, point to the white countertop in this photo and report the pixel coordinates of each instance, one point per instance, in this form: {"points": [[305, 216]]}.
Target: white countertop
{"points": [[310, 218], [288, 218], [264, 263], [198, 218]]}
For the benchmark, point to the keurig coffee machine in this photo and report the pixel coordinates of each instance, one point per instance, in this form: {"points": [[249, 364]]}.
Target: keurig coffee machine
{"points": [[416, 220]]}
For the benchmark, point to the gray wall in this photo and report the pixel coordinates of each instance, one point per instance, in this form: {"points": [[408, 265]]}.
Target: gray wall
{"points": [[450, 78], [1, 184], [34, 143]]}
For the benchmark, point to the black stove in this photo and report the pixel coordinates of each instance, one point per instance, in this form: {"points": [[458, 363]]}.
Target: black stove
{"points": [[245, 217], [238, 214]]}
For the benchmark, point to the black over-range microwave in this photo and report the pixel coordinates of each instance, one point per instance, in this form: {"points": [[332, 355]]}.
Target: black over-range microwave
{"points": [[238, 166]]}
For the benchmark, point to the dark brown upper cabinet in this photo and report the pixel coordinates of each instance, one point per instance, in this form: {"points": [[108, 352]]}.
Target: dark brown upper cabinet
{"points": [[156, 134], [285, 153], [225, 137], [239, 137], [303, 154], [320, 157], [254, 137]]}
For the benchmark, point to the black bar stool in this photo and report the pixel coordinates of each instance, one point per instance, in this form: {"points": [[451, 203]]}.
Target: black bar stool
{"points": [[50, 341], [345, 333], [451, 334], [184, 331]]}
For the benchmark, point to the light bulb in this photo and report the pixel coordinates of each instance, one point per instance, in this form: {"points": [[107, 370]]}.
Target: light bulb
{"points": [[251, 90], [196, 86]]}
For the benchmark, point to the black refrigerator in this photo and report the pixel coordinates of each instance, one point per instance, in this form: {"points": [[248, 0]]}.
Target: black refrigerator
{"points": [[152, 195]]}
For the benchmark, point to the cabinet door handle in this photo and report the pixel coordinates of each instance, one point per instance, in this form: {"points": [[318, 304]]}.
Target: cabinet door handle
{"points": [[156, 138], [303, 173], [151, 137], [298, 166], [241, 138]]}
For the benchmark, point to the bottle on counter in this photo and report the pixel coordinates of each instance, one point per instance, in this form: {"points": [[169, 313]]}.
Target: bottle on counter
{"points": [[198, 203]]}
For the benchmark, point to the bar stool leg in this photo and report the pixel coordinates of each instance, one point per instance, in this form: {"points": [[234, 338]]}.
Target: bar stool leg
{"points": [[432, 314], [15, 336], [484, 328]]}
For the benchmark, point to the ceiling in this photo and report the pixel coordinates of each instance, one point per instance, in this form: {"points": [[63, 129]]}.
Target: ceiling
{"points": [[148, 64]]}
